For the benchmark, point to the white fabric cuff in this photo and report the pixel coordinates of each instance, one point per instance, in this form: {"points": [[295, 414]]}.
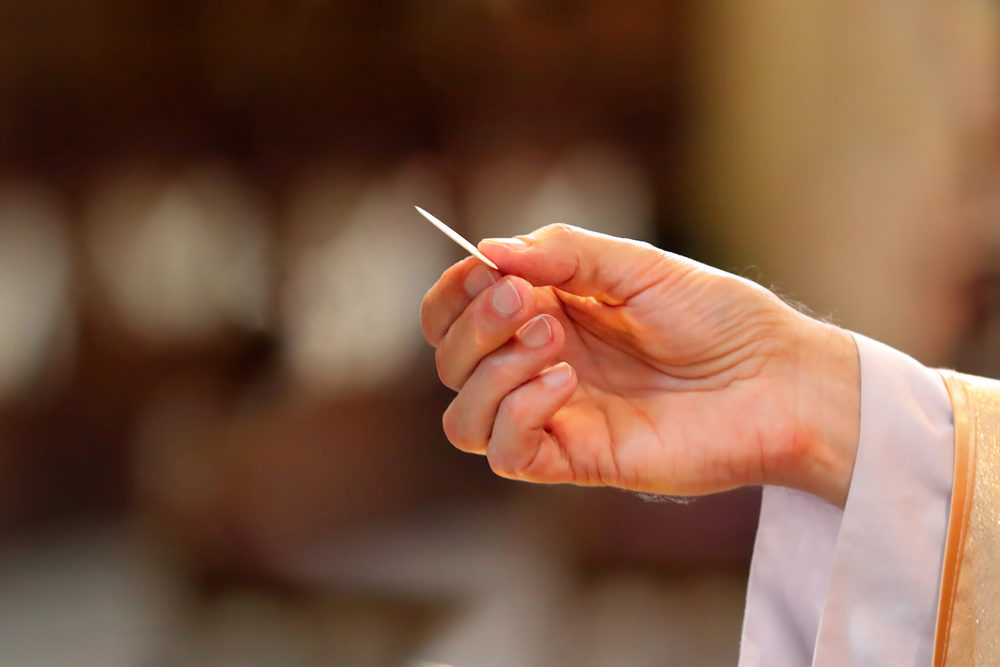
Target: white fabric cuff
{"points": [[860, 586]]}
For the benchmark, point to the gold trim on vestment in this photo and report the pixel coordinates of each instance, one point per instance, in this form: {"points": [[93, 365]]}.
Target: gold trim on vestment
{"points": [[968, 620]]}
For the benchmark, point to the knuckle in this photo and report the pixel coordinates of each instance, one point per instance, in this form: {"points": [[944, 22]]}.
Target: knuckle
{"points": [[499, 467], [514, 409], [457, 431], [426, 316], [498, 369], [444, 369], [479, 329], [450, 423], [558, 231]]}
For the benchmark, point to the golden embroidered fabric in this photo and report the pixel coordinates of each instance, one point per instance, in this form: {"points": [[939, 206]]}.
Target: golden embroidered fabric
{"points": [[968, 628]]}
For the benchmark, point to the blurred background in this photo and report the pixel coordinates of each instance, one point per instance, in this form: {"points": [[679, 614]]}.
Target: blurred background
{"points": [[220, 437]]}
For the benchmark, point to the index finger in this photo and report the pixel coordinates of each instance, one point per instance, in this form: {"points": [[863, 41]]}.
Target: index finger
{"points": [[451, 295]]}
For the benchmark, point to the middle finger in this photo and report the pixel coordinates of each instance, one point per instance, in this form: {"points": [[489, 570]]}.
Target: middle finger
{"points": [[491, 320]]}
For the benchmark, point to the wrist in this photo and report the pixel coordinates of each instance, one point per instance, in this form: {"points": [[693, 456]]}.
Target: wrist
{"points": [[827, 400]]}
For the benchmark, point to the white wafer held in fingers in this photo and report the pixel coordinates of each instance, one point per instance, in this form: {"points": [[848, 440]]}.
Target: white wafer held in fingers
{"points": [[457, 238]]}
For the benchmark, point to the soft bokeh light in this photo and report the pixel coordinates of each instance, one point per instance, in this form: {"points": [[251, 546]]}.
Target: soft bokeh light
{"points": [[181, 255], [220, 428], [360, 260], [37, 313], [594, 186]]}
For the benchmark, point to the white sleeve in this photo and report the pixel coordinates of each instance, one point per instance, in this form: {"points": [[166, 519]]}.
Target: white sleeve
{"points": [[860, 586]]}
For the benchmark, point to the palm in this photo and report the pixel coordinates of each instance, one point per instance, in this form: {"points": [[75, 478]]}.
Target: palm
{"points": [[664, 408]]}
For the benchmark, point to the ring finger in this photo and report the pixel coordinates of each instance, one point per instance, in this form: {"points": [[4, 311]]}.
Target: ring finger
{"points": [[469, 419]]}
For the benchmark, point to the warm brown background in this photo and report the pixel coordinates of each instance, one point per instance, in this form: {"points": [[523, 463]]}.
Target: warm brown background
{"points": [[219, 429]]}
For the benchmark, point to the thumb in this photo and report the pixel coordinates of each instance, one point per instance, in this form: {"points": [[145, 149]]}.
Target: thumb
{"points": [[581, 262]]}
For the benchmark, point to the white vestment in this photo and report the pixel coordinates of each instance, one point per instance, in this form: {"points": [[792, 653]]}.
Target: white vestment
{"points": [[859, 586]]}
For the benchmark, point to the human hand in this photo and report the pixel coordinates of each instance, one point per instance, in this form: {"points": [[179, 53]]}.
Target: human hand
{"points": [[608, 362]]}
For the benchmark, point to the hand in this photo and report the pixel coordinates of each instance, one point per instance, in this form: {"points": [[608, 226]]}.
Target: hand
{"points": [[603, 361]]}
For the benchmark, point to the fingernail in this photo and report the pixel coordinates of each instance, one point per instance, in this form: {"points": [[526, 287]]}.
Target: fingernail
{"points": [[537, 332], [506, 300], [558, 376], [479, 278], [512, 244]]}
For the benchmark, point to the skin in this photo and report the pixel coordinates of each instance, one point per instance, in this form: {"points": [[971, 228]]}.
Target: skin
{"points": [[600, 361]]}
